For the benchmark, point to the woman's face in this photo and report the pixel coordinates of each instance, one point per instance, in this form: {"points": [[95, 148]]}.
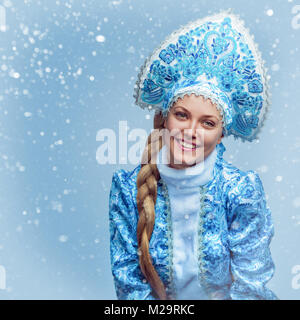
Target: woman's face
{"points": [[195, 128]]}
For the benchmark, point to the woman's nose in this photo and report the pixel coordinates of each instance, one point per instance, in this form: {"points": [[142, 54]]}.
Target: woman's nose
{"points": [[191, 130]]}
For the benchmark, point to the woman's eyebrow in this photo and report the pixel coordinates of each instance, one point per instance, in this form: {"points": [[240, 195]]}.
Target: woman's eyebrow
{"points": [[210, 116], [204, 115], [179, 106]]}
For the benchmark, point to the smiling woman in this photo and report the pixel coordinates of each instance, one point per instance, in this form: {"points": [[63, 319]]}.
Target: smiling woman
{"points": [[195, 226], [197, 124]]}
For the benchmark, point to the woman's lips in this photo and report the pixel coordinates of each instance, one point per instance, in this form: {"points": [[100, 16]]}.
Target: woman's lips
{"points": [[185, 145]]}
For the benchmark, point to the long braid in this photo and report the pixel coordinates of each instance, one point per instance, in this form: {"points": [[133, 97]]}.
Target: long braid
{"points": [[146, 198]]}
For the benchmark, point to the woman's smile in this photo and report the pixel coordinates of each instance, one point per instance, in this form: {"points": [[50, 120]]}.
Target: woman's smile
{"points": [[186, 146]]}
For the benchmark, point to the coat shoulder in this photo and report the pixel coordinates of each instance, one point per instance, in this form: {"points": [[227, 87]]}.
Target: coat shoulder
{"points": [[126, 178], [232, 173]]}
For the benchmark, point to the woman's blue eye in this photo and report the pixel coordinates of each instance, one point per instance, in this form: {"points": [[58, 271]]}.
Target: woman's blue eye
{"points": [[211, 124], [180, 114]]}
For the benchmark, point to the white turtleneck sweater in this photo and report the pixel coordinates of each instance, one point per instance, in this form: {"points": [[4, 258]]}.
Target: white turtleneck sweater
{"points": [[183, 188]]}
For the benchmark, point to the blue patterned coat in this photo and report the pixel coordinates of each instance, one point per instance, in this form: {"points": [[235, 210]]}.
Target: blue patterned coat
{"points": [[234, 233]]}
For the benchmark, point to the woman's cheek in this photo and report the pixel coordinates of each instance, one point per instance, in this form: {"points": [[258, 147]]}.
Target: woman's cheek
{"points": [[209, 137]]}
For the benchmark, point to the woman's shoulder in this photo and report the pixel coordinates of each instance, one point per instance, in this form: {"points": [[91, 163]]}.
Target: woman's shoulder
{"points": [[244, 189], [241, 187], [126, 179], [234, 176], [122, 195]]}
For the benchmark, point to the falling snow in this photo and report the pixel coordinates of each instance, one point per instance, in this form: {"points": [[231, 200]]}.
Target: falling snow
{"points": [[63, 238], [68, 69]]}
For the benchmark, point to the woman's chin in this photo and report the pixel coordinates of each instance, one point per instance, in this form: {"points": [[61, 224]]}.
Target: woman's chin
{"points": [[187, 158], [184, 161]]}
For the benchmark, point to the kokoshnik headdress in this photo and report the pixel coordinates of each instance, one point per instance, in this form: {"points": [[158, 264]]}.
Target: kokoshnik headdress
{"points": [[215, 57]]}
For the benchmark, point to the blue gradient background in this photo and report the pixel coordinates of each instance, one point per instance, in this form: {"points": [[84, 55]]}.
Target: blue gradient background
{"points": [[54, 236]]}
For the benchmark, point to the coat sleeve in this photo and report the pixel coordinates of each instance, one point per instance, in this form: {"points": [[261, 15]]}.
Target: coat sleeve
{"points": [[130, 283], [250, 233]]}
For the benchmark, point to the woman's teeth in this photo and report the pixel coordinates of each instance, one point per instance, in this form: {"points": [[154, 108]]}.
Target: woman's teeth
{"points": [[186, 145]]}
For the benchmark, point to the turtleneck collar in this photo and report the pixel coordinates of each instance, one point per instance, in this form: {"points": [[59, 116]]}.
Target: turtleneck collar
{"points": [[189, 177]]}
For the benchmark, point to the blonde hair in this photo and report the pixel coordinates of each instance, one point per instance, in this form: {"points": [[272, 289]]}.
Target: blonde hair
{"points": [[146, 198]]}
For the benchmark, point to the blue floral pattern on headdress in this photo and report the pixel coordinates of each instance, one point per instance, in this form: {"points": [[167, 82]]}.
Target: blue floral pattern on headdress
{"points": [[216, 57]]}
